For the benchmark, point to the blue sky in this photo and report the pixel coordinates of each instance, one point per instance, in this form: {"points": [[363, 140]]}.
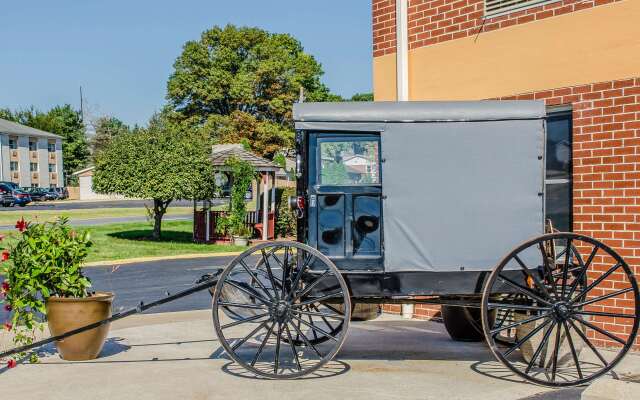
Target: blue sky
{"points": [[122, 52]]}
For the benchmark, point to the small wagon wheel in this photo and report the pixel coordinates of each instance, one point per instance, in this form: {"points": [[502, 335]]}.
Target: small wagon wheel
{"points": [[258, 311], [563, 310]]}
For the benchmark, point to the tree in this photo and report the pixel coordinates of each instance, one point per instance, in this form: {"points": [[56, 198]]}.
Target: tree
{"points": [[234, 78], [362, 97], [60, 120], [161, 162], [106, 129]]}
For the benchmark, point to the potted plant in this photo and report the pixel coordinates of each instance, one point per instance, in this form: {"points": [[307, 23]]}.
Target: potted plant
{"points": [[233, 223], [241, 235], [43, 279]]}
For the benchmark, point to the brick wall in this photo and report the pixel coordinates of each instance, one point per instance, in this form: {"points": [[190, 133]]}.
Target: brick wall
{"points": [[434, 21], [384, 27]]}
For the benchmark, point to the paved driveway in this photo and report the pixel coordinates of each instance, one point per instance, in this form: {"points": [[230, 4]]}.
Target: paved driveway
{"points": [[177, 356]]}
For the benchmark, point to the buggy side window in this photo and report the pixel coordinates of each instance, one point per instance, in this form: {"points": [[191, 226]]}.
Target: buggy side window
{"points": [[349, 162]]}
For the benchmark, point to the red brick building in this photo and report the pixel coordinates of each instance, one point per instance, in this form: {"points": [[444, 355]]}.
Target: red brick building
{"points": [[582, 57]]}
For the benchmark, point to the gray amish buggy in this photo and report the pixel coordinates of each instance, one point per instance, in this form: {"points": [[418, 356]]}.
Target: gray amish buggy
{"points": [[424, 203]]}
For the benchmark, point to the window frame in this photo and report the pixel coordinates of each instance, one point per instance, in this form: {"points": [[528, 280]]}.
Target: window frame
{"points": [[31, 164], [554, 112], [35, 145], [11, 164], [347, 137], [14, 141], [526, 4]]}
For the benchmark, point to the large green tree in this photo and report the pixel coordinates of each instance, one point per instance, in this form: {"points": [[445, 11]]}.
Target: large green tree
{"points": [[63, 121], [237, 77], [161, 162]]}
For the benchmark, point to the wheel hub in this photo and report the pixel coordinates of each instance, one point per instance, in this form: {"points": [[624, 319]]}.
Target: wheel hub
{"points": [[280, 310], [562, 311]]}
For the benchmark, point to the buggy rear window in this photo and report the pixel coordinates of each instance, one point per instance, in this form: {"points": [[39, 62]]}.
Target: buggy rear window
{"points": [[349, 162]]}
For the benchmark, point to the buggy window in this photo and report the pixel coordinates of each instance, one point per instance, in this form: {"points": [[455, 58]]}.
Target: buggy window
{"points": [[349, 162]]}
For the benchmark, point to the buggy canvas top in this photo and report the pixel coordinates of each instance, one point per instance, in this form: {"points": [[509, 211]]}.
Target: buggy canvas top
{"points": [[462, 182]]}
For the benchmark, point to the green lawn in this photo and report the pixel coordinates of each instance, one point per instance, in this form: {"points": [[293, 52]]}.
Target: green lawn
{"points": [[130, 240], [10, 217]]}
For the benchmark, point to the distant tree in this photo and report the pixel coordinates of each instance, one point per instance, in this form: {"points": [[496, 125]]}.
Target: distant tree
{"points": [[60, 120], [362, 97], [106, 129], [233, 78], [160, 162]]}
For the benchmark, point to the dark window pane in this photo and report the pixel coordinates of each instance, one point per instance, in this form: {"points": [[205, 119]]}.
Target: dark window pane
{"points": [[559, 146], [558, 205], [331, 225], [366, 225]]}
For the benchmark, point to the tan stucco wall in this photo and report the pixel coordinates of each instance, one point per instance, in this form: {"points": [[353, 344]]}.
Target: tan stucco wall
{"points": [[594, 45]]}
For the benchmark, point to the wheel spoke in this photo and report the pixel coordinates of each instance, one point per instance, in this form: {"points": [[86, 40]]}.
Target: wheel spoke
{"points": [[516, 307], [573, 349], [277, 355], [320, 314], [583, 273], [525, 339], [522, 289], [253, 332], [250, 293], [534, 276], [598, 329], [312, 285], [265, 258], [514, 325], [597, 281], [318, 299], [547, 268], [540, 347], [323, 318], [255, 278], [244, 320], [606, 296], [315, 328], [264, 342], [604, 314], [298, 275], [554, 361], [293, 346], [305, 340], [565, 270], [588, 343], [242, 305]]}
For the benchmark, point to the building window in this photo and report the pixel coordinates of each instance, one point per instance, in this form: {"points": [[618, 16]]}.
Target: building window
{"points": [[13, 143], [13, 166], [33, 167], [52, 168], [33, 145], [494, 8], [558, 182], [51, 147]]}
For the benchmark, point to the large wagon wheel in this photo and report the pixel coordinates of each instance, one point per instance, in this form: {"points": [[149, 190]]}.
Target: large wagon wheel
{"points": [[258, 311], [564, 308]]}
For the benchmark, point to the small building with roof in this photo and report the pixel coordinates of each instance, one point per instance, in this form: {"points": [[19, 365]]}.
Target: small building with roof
{"points": [[262, 220]]}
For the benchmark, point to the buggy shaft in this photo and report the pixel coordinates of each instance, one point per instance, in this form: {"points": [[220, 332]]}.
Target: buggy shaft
{"points": [[205, 282]]}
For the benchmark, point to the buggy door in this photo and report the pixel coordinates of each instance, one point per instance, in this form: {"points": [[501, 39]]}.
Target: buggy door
{"points": [[345, 207]]}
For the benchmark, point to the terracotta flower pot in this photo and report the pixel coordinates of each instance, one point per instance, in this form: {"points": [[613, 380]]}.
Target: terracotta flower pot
{"points": [[67, 313]]}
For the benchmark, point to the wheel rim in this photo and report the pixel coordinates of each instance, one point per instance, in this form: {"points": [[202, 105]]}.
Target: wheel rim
{"points": [[564, 306], [281, 310]]}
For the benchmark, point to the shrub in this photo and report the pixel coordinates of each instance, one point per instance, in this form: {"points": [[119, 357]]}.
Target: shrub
{"points": [[242, 174], [286, 220]]}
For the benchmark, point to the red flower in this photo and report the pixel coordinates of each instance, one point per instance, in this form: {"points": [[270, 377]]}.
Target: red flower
{"points": [[11, 363], [5, 255], [5, 286], [21, 225], [1, 237], [8, 326], [7, 307]]}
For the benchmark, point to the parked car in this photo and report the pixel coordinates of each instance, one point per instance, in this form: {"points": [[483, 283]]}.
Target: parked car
{"points": [[52, 194], [6, 196], [22, 198], [37, 194], [63, 192]]}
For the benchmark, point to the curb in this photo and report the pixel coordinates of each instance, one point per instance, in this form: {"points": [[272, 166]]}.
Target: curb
{"points": [[611, 389], [160, 258]]}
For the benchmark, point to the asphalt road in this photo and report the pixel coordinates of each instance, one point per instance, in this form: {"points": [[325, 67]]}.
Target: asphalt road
{"points": [[84, 205]]}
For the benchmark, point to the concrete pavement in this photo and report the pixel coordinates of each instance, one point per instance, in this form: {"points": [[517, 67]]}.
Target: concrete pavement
{"points": [[177, 356]]}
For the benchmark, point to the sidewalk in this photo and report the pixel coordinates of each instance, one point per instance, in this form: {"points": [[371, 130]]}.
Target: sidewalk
{"points": [[176, 356]]}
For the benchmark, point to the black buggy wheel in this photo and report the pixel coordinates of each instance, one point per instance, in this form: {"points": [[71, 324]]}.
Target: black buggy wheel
{"points": [[269, 319], [562, 306]]}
